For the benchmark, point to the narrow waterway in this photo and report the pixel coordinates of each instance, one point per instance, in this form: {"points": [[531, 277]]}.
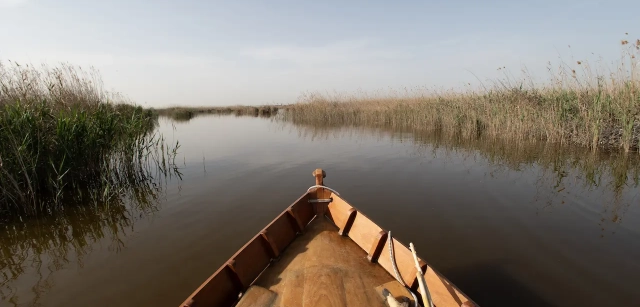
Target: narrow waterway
{"points": [[509, 224]]}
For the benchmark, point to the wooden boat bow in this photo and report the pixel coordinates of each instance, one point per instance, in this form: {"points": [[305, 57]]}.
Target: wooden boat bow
{"points": [[321, 251]]}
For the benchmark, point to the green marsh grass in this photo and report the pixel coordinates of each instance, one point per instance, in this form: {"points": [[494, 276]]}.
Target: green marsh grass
{"points": [[66, 141], [579, 105]]}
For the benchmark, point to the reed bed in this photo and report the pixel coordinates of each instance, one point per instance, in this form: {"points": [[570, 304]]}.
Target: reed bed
{"points": [[187, 113], [580, 104], [66, 141]]}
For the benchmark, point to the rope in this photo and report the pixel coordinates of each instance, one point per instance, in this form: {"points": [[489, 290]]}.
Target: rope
{"points": [[324, 187], [395, 269]]}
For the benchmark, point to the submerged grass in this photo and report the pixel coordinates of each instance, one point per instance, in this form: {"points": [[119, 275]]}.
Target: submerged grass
{"points": [[187, 113], [579, 105], [66, 141]]}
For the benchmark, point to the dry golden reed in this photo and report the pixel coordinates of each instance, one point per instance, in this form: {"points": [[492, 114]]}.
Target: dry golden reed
{"points": [[578, 105]]}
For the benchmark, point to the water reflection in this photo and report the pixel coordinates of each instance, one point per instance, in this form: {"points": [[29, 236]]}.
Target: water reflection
{"points": [[534, 220], [34, 250], [558, 170], [186, 114]]}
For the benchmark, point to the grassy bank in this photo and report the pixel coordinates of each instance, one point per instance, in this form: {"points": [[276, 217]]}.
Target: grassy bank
{"points": [[187, 113], [579, 104], [66, 141]]}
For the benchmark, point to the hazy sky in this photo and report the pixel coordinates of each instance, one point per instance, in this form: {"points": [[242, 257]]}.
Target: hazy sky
{"points": [[162, 53]]}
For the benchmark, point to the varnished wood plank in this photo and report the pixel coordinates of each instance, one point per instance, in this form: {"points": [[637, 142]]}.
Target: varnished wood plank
{"points": [[364, 232], [442, 292], [338, 211], [295, 221], [257, 297], [251, 260], [404, 262], [235, 278], [323, 287], [322, 268], [270, 246], [281, 231], [377, 246], [341, 213], [303, 210], [320, 208], [357, 297], [217, 290], [291, 290], [351, 216]]}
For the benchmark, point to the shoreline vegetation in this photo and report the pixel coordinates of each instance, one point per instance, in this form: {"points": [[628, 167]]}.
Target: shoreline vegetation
{"points": [[187, 113], [579, 105], [65, 138], [66, 141]]}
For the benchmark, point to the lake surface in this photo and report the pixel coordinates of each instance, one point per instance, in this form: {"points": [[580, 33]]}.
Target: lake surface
{"points": [[509, 224]]}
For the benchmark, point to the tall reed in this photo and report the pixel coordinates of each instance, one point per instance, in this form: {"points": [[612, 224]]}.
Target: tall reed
{"points": [[579, 104], [66, 140]]}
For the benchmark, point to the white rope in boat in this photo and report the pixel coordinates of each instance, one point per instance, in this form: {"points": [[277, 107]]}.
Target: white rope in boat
{"points": [[324, 187], [392, 256]]}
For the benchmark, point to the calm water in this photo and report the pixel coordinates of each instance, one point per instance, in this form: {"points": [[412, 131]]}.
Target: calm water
{"points": [[510, 225]]}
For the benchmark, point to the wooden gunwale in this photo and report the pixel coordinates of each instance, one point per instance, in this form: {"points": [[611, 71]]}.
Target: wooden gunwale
{"points": [[233, 278]]}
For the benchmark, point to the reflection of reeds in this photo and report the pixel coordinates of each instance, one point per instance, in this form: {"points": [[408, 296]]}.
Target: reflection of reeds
{"points": [[578, 105], [39, 248], [66, 141], [616, 174], [187, 113]]}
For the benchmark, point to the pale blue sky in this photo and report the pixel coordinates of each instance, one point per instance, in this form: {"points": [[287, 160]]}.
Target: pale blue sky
{"points": [[162, 53]]}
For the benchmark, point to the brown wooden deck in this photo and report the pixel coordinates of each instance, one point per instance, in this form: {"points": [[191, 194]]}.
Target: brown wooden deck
{"points": [[339, 260], [322, 268]]}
